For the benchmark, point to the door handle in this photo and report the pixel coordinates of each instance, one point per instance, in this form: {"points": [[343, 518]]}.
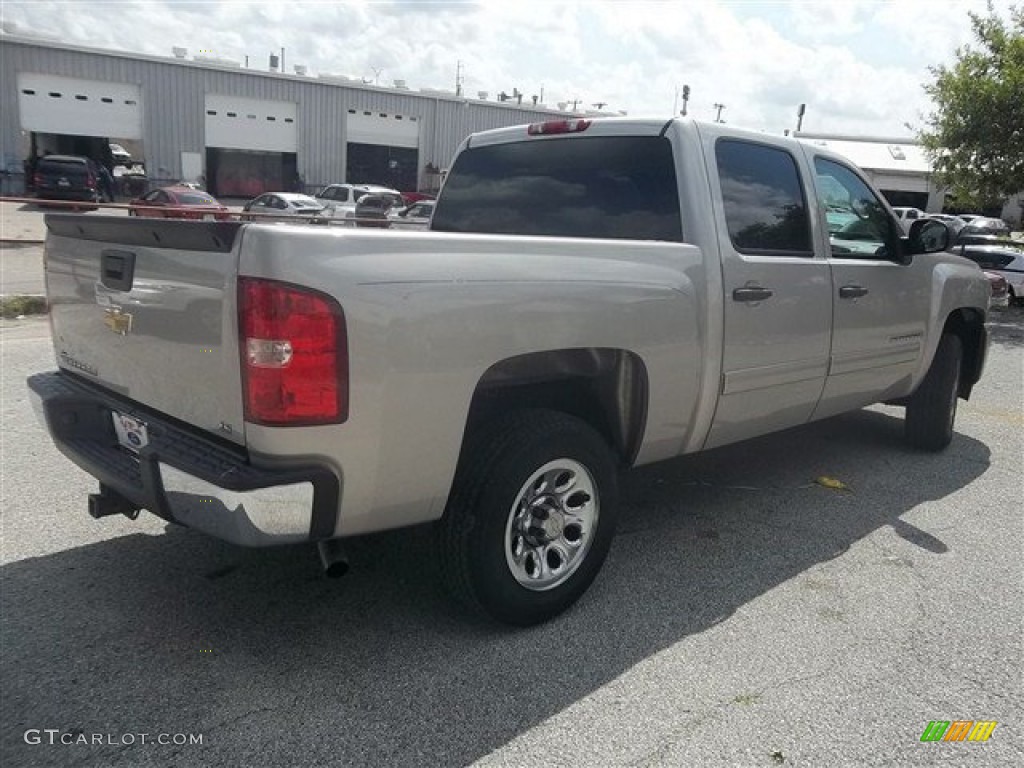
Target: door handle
{"points": [[852, 292], [751, 293]]}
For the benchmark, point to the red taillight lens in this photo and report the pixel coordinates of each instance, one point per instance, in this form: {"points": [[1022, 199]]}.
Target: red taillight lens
{"points": [[557, 126], [90, 180], [294, 354], [37, 180]]}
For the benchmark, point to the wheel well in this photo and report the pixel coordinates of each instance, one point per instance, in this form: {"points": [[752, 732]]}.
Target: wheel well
{"points": [[607, 388], [969, 325]]}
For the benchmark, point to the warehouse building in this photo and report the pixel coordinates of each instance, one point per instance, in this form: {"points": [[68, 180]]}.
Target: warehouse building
{"points": [[241, 131]]}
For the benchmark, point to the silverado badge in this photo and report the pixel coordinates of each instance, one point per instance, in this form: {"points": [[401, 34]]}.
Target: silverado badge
{"points": [[117, 321]]}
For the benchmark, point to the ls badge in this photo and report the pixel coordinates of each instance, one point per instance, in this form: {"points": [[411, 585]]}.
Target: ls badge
{"points": [[117, 321]]}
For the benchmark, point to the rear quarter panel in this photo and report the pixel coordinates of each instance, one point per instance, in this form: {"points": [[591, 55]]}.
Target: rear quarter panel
{"points": [[429, 313]]}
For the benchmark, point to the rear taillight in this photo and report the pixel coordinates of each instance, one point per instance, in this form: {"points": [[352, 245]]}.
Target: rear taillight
{"points": [[557, 126], [37, 180], [90, 180], [294, 354]]}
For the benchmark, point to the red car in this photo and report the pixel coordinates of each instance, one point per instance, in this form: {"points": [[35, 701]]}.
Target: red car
{"points": [[1000, 289], [178, 203]]}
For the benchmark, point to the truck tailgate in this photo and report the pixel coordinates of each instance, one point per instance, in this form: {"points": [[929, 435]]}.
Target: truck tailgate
{"points": [[146, 308]]}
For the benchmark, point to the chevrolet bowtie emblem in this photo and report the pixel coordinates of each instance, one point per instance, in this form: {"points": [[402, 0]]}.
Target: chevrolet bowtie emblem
{"points": [[118, 321]]}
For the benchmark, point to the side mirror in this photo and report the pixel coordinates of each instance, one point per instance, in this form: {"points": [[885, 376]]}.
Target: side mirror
{"points": [[928, 236]]}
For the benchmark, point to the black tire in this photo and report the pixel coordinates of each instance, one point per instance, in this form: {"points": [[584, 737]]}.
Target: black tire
{"points": [[931, 410], [473, 537]]}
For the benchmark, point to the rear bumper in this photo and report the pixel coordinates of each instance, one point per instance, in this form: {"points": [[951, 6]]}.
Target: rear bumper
{"points": [[182, 475]]}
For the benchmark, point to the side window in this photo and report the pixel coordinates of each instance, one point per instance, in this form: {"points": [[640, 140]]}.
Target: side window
{"points": [[765, 208], [858, 224]]}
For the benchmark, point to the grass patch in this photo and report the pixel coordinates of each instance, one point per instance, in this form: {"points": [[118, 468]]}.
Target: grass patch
{"points": [[15, 306]]}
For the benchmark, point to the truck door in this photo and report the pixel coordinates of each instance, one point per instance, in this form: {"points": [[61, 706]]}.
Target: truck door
{"points": [[778, 291], [881, 303]]}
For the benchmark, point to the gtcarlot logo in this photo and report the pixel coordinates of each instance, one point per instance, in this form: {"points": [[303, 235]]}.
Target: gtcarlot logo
{"points": [[54, 736]]}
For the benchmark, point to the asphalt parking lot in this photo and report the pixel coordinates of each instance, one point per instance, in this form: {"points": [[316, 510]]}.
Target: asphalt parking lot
{"points": [[746, 616]]}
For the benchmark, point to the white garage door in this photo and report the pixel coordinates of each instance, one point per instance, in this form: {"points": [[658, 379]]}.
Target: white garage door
{"points": [[233, 122], [51, 104], [384, 129]]}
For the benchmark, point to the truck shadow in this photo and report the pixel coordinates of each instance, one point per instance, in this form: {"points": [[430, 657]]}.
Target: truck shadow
{"points": [[276, 665]]}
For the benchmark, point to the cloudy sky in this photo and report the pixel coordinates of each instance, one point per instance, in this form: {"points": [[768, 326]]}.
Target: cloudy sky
{"points": [[858, 65]]}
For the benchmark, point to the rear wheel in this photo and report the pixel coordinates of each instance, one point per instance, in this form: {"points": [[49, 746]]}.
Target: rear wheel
{"points": [[531, 517], [931, 410]]}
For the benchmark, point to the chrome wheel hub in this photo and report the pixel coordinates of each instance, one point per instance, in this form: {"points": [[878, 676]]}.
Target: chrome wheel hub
{"points": [[551, 524]]}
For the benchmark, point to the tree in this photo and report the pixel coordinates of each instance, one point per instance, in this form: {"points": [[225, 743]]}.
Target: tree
{"points": [[975, 138]]}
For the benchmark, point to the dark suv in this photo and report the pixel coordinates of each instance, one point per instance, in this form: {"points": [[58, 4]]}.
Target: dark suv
{"points": [[67, 177]]}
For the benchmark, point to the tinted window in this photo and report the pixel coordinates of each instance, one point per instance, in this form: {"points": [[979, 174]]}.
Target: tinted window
{"points": [[621, 187], [765, 209], [989, 260], [858, 224], [67, 167]]}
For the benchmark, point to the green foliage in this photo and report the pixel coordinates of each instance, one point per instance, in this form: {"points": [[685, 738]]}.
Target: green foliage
{"points": [[15, 306], [975, 137]]}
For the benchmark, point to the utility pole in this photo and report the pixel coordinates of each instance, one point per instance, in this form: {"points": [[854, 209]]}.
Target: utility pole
{"points": [[800, 117], [686, 98], [458, 78], [718, 116]]}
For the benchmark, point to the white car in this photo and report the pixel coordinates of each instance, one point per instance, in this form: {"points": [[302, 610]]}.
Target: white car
{"points": [[339, 200], [908, 216], [120, 155], [1004, 260], [282, 204], [415, 216]]}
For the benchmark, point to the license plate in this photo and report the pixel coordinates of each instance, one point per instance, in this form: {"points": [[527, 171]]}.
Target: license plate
{"points": [[63, 183], [131, 432]]}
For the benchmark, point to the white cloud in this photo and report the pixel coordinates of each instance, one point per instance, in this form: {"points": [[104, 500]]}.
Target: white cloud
{"points": [[857, 64]]}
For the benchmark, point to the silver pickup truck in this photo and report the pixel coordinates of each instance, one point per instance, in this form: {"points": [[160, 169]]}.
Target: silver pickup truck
{"points": [[592, 296]]}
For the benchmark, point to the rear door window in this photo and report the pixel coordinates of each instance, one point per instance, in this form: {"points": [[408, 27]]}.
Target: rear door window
{"points": [[765, 209], [621, 187]]}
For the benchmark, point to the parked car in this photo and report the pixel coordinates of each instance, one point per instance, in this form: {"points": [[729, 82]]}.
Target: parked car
{"points": [[569, 315], [1000, 289], [955, 223], [121, 155], [984, 225], [281, 205], [1004, 260], [372, 211], [415, 216], [68, 177], [340, 199], [178, 203], [908, 216]]}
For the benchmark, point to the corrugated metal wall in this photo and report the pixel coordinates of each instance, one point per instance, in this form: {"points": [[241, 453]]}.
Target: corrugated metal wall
{"points": [[173, 96]]}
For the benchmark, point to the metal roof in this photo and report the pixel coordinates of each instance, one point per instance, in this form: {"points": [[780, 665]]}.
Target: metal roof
{"points": [[892, 155]]}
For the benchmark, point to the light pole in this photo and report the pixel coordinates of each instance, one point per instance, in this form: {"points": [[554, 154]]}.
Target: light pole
{"points": [[800, 117], [718, 115], [686, 98]]}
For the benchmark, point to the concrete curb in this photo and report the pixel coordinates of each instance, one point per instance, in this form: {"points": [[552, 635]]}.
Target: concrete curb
{"points": [[20, 241]]}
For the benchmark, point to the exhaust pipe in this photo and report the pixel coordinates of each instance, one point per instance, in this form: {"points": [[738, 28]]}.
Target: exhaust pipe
{"points": [[109, 502], [333, 557]]}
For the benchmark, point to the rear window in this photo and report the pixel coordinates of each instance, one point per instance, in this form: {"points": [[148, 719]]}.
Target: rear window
{"points": [[69, 166], [621, 187]]}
